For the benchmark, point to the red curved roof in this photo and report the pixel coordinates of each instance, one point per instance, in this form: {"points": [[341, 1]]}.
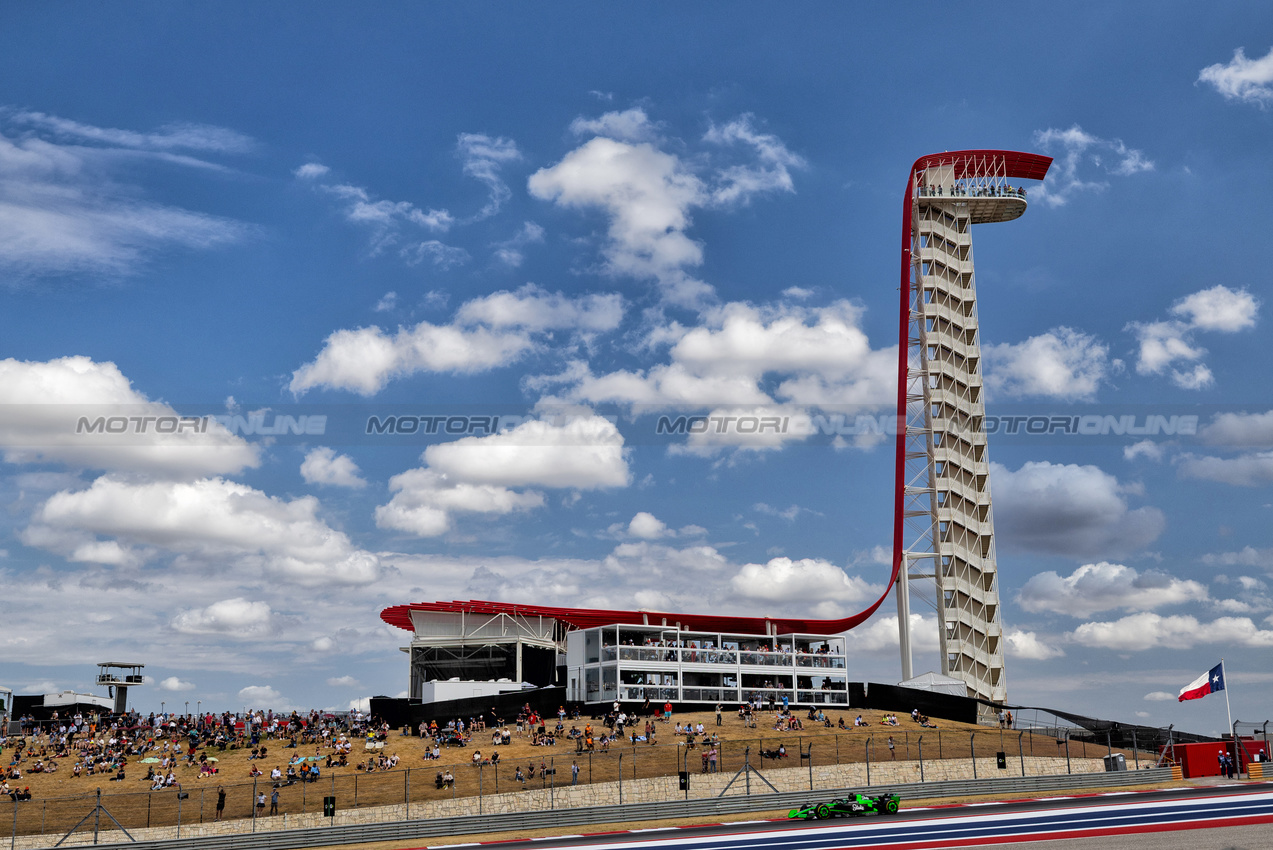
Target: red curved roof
{"points": [[1020, 166], [586, 618]]}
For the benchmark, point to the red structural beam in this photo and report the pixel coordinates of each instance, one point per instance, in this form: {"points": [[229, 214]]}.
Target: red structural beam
{"points": [[1017, 166], [586, 618]]}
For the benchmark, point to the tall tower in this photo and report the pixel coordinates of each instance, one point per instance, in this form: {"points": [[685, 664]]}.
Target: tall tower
{"points": [[943, 526]]}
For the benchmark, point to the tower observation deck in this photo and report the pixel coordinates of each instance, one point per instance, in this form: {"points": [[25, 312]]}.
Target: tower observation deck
{"points": [[943, 525]]}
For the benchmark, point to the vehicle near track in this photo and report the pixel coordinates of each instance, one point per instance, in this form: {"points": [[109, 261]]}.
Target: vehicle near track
{"points": [[841, 807]]}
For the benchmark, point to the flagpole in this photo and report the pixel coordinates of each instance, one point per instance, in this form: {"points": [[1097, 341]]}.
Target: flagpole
{"points": [[1225, 674]]}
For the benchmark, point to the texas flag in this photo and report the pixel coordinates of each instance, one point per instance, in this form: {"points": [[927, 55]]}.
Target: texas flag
{"points": [[1207, 683]]}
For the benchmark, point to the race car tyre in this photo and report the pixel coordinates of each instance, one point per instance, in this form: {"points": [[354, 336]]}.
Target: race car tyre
{"points": [[890, 806], [824, 811]]}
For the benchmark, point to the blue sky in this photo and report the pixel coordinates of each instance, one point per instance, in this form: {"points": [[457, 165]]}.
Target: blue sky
{"points": [[588, 218]]}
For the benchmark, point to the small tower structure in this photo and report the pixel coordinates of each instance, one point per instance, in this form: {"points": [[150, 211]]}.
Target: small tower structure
{"points": [[119, 677]]}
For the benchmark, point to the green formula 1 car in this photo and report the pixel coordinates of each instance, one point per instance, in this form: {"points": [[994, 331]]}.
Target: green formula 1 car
{"points": [[858, 804]]}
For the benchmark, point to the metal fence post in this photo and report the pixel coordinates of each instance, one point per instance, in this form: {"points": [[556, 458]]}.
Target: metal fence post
{"points": [[1067, 752], [972, 751], [620, 779], [868, 761], [480, 768], [252, 803], [1020, 752], [920, 745], [1135, 750]]}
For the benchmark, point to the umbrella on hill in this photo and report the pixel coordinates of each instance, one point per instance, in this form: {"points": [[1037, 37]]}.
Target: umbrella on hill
{"points": [[151, 760], [213, 758]]}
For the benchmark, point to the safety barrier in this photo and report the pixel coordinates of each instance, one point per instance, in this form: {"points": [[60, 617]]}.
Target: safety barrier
{"points": [[570, 818]]}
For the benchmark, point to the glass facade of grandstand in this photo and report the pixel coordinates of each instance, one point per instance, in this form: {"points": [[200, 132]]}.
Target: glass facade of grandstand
{"points": [[634, 663]]}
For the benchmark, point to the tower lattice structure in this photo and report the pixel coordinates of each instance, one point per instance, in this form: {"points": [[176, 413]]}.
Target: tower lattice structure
{"points": [[943, 519]]}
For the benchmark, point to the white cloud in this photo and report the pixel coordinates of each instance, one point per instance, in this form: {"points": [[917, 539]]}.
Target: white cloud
{"points": [[630, 125], [880, 633], [385, 216], [236, 617], [344, 682], [362, 704], [483, 156], [1218, 309], [648, 195], [1077, 151], [1062, 363], [311, 171], [172, 683], [323, 466], [770, 172], [1240, 430], [804, 580], [1144, 448], [1242, 79], [387, 303], [1139, 632], [820, 356], [1103, 586], [534, 309], [512, 251], [211, 520], [264, 697], [1160, 696], [1247, 470], [476, 474], [1165, 343], [364, 360], [178, 136], [424, 502], [647, 526], [1070, 510], [1248, 556], [1029, 646], [43, 403], [64, 210], [797, 293], [440, 254], [584, 453]]}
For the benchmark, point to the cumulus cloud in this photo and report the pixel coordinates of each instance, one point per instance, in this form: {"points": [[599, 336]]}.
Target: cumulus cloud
{"points": [[1077, 153], [344, 682], [364, 360], [803, 580], [1163, 344], [263, 696], [647, 526], [43, 403], [323, 466], [1247, 470], [629, 125], [1029, 646], [1067, 509], [1248, 556], [1240, 430], [534, 309], [881, 633], [1143, 448], [1160, 696], [1062, 363], [1140, 632], [236, 617], [487, 333], [476, 474], [816, 356], [172, 683], [65, 209], [648, 194], [1242, 80], [208, 519], [1103, 586]]}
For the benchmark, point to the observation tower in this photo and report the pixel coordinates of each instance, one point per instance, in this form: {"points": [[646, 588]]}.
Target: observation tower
{"points": [[943, 525]]}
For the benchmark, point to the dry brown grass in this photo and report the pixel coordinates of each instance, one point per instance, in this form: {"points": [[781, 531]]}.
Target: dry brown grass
{"points": [[61, 799]]}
